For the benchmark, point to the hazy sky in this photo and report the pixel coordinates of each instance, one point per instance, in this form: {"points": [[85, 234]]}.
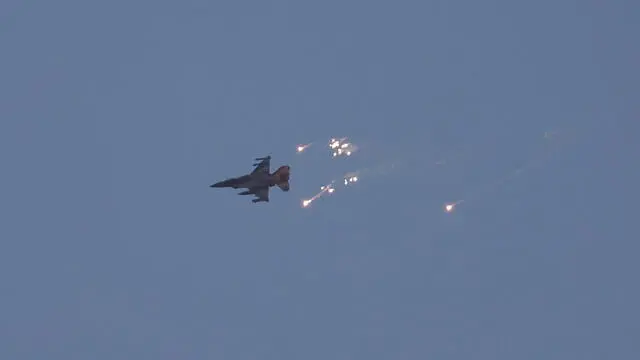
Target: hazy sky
{"points": [[115, 116]]}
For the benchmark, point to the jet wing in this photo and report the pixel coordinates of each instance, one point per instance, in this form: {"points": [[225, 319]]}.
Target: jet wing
{"points": [[262, 194], [264, 166]]}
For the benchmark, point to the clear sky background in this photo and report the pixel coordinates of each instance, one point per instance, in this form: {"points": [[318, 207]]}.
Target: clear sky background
{"points": [[116, 116]]}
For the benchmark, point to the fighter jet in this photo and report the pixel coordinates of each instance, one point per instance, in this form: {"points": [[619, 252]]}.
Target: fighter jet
{"points": [[259, 180]]}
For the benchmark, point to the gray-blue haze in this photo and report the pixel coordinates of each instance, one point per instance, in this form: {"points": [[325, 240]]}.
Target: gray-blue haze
{"points": [[115, 116]]}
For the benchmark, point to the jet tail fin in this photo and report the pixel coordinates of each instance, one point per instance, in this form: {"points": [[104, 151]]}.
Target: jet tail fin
{"points": [[283, 173], [282, 177]]}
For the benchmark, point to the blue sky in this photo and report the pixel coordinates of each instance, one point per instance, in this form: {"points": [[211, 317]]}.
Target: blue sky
{"points": [[116, 116]]}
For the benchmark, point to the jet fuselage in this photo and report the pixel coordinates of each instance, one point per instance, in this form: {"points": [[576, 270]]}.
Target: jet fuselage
{"points": [[280, 178]]}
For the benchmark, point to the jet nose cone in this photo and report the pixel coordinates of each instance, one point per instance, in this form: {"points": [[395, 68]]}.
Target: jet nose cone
{"points": [[216, 185]]}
